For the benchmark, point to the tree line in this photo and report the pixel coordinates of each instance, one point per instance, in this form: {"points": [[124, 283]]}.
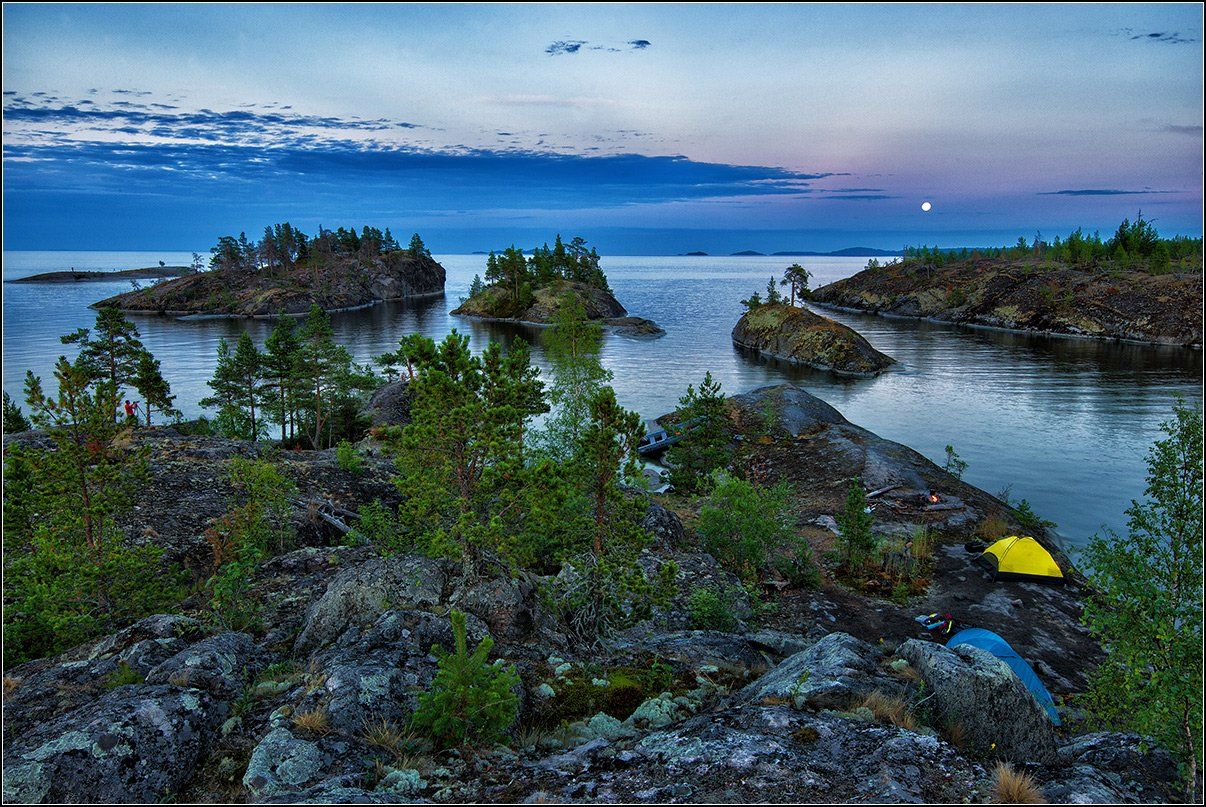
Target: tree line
{"points": [[1135, 245], [521, 274], [284, 248]]}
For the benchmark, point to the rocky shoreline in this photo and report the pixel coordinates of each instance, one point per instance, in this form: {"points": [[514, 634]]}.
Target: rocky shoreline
{"points": [[787, 705], [800, 336], [1018, 296], [345, 284]]}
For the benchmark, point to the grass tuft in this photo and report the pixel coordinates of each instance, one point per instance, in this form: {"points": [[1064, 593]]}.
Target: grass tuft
{"points": [[1011, 786], [314, 722], [889, 709]]}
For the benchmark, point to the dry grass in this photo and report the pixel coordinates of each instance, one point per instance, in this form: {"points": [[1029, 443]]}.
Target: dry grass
{"points": [[992, 529], [10, 685], [923, 544], [955, 735], [1011, 786], [382, 733], [887, 708], [313, 722]]}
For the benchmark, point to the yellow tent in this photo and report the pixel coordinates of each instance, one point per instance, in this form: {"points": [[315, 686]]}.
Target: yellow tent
{"points": [[1021, 558]]}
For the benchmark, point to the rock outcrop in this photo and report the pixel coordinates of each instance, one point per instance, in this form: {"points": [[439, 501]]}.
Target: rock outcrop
{"points": [[800, 699], [799, 336], [979, 693], [1161, 309], [345, 283]]}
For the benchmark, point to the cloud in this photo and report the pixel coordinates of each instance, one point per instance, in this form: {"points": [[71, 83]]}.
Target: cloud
{"points": [[1174, 128], [1100, 192], [1168, 37], [564, 46]]}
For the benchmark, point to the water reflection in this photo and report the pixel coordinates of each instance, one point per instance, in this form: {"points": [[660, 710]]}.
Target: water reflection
{"points": [[1066, 422]]}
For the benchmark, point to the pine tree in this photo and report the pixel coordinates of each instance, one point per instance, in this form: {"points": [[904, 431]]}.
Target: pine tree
{"points": [[280, 369], [417, 247], [796, 278], [14, 420], [152, 386], [706, 436], [110, 350], [470, 701], [855, 537], [608, 456], [572, 344]]}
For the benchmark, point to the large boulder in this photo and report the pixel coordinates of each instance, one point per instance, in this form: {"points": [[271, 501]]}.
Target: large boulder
{"points": [[755, 753], [510, 606], [221, 665], [283, 763], [361, 593], [664, 525], [135, 744], [377, 673], [38, 691], [390, 404], [829, 675], [974, 690]]}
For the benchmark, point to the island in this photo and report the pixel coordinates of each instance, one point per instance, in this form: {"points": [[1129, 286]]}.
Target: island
{"points": [[97, 276], [287, 272], [1134, 286], [778, 328], [531, 289]]}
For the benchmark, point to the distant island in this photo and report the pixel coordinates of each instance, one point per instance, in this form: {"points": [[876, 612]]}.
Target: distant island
{"points": [[1134, 286], [847, 252], [287, 272], [94, 276], [518, 288]]}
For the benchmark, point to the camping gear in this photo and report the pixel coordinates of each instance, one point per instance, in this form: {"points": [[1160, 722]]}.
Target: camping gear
{"points": [[987, 640], [1021, 558], [943, 624]]}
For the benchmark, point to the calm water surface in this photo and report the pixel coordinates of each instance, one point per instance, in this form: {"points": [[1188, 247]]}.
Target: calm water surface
{"points": [[1064, 423]]}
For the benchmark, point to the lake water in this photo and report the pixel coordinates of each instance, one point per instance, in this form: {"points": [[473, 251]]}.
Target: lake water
{"points": [[1065, 423]]}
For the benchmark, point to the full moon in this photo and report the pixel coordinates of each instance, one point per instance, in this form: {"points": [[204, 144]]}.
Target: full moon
{"points": [[925, 206]]}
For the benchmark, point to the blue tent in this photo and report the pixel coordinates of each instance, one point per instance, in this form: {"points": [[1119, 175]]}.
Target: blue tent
{"points": [[987, 640]]}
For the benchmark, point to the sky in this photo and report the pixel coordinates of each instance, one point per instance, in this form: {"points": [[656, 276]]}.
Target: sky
{"points": [[647, 129]]}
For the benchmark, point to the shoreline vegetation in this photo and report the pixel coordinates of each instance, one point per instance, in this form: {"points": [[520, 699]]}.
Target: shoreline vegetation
{"points": [[287, 272], [531, 289], [1134, 286]]}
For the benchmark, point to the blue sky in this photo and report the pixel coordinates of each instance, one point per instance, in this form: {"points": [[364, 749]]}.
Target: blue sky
{"points": [[644, 128]]}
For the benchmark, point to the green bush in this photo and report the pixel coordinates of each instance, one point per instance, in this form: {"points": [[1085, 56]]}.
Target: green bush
{"points": [[742, 523], [470, 701], [855, 538], [347, 458], [709, 611]]}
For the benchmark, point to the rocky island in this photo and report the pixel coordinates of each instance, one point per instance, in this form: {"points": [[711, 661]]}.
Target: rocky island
{"points": [[778, 328], [96, 276], [531, 289], [797, 335], [287, 272], [1134, 287]]}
